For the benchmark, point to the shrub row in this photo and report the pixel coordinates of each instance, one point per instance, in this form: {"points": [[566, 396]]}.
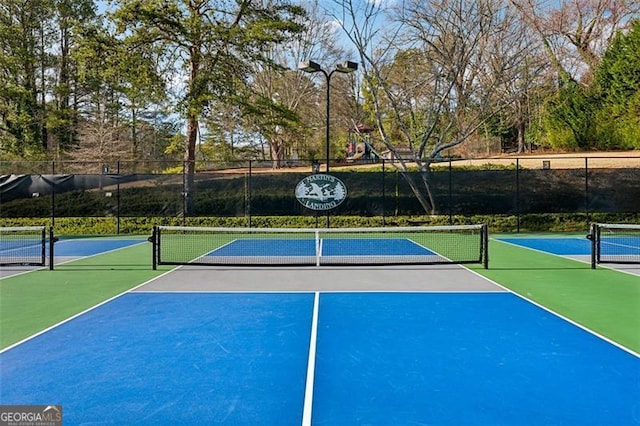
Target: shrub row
{"points": [[497, 223]]}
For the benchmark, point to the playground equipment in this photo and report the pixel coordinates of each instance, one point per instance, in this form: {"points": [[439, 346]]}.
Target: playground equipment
{"points": [[359, 146]]}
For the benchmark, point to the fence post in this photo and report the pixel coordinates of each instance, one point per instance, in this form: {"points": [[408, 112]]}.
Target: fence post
{"points": [[184, 193], [384, 198], [450, 195], [397, 197], [586, 188], [247, 194], [518, 194], [118, 198]]}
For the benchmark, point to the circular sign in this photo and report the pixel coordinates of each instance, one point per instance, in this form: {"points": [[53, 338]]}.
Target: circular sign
{"points": [[321, 192]]}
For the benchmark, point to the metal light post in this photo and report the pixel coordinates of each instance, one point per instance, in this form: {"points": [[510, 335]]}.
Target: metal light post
{"points": [[312, 67]]}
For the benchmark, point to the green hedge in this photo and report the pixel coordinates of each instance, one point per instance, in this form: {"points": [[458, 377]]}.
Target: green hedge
{"points": [[497, 223]]}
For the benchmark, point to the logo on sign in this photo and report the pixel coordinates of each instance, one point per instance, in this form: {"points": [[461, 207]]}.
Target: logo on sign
{"points": [[321, 192]]}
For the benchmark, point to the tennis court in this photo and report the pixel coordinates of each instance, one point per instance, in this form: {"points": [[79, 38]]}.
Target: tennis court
{"points": [[537, 338]]}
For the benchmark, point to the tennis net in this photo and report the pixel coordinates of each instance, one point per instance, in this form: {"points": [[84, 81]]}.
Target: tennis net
{"points": [[23, 245], [178, 245], [614, 243]]}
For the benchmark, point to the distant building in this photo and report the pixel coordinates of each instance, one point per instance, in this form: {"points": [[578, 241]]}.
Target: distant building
{"points": [[403, 153]]}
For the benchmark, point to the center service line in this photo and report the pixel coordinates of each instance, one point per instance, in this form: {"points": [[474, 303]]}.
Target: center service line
{"points": [[311, 364]]}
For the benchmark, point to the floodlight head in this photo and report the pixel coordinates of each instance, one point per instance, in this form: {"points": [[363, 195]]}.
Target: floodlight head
{"points": [[309, 66], [347, 67]]}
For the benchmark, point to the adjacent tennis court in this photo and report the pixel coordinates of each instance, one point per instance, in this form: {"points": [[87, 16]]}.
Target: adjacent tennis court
{"points": [[537, 338]]}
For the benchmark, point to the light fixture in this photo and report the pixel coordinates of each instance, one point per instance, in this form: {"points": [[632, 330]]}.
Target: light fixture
{"points": [[313, 67]]}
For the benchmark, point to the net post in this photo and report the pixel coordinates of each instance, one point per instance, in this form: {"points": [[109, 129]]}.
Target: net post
{"points": [[597, 238], [51, 247], [318, 247], [592, 237], [43, 246], [154, 239], [485, 245]]}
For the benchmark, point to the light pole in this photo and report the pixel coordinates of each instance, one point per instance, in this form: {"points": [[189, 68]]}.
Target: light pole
{"points": [[345, 68]]}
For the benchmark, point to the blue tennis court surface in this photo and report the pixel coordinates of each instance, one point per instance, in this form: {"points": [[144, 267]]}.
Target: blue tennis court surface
{"points": [[380, 359], [575, 246], [615, 245], [89, 247], [328, 247]]}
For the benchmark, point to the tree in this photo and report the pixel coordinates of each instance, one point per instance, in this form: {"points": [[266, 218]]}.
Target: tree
{"points": [[289, 104], [63, 115], [214, 42], [576, 33], [23, 29], [434, 75], [617, 92], [570, 115], [117, 84]]}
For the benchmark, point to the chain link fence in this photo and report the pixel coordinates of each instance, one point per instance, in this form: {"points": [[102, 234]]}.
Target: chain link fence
{"points": [[250, 189]]}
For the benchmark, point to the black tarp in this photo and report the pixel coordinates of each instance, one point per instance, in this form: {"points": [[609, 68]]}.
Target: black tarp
{"points": [[14, 187]]}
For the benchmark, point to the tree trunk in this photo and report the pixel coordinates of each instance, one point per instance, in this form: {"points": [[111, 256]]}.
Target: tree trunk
{"points": [[277, 153], [190, 163], [192, 130], [521, 140], [427, 202]]}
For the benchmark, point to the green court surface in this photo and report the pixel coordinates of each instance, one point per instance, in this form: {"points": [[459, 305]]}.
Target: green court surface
{"points": [[34, 301], [602, 300]]}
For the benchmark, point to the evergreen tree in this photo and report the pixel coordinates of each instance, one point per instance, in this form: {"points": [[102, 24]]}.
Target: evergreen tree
{"points": [[213, 43], [617, 91]]}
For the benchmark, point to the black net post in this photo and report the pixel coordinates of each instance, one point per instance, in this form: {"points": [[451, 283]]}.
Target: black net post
{"points": [[154, 247], [592, 237], [52, 241], [485, 246], [598, 241], [43, 237]]}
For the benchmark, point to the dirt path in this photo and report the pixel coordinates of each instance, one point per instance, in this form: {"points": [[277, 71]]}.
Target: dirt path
{"points": [[622, 159]]}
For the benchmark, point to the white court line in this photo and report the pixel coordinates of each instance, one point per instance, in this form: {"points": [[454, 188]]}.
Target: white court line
{"points": [[551, 311], [66, 320], [611, 243], [211, 253], [26, 339], [311, 364], [73, 258]]}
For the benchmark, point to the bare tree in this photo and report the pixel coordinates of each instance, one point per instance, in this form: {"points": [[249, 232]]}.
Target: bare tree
{"points": [[282, 93], [102, 141], [532, 80], [458, 56], [576, 33], [292, 104]]}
